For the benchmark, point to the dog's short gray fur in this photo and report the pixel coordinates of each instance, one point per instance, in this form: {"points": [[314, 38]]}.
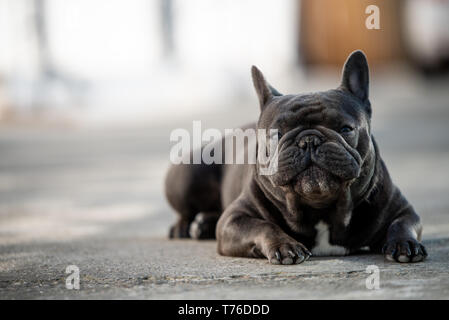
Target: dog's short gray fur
{"points": [[330, 173]]}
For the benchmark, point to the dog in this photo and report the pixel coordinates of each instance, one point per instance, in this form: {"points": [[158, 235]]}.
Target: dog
{"points": [[331, 193]]}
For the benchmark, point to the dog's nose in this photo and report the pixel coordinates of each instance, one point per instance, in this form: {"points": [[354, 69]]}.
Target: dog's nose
{"points": [[309, 141]]}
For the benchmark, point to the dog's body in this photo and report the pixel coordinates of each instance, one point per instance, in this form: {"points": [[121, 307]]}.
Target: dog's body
{"points": [[331, 194]]}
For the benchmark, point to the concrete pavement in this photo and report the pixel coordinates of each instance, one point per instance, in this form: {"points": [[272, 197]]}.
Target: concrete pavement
{"points": [[92, 197]]}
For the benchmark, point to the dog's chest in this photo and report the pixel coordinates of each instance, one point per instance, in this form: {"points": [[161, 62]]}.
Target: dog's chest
{"points": [[322, 247]]}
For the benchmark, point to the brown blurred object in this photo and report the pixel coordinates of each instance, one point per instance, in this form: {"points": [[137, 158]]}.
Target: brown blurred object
{"points": [[330, 30]]}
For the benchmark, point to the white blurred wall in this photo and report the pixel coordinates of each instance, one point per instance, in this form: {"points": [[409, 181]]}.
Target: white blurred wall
{"points": [[114, 49]]}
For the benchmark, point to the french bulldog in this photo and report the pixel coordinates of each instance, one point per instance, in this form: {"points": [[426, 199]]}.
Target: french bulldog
{"points": [[331, 194]]}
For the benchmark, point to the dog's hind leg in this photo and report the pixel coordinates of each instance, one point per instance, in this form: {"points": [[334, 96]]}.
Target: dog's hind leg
{"points": [[194, 190], [181, 228]]}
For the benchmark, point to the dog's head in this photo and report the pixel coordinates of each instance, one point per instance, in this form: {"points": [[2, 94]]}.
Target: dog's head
{"points": [[324, 137]]}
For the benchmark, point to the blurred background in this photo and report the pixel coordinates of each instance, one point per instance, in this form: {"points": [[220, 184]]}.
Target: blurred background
{"points": [[90, 91]]}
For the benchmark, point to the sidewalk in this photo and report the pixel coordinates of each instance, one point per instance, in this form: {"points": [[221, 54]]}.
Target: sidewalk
{"points": [[93, 198]]}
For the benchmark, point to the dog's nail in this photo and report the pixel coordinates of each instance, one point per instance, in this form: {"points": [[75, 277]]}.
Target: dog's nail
{"points": [[300, 259], [424, 251], [278, 255]]}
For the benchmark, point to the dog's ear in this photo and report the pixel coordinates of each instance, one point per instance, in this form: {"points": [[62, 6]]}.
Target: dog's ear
{"points": [[264, 91], [355, 77]]}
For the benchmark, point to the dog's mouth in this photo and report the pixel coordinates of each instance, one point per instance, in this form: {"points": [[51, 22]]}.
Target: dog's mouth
{"points": [[315, 183], [316, 167]]}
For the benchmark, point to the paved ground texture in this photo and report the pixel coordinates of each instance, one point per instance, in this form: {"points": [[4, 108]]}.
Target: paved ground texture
{"points": [[93, 198]]}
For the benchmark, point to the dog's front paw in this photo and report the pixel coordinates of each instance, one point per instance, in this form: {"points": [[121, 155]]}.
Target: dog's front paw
{"points": [[288, 252], [404, 250]]}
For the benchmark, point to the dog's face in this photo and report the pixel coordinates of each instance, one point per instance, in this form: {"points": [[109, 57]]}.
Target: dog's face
{"points": [[324, 137]]}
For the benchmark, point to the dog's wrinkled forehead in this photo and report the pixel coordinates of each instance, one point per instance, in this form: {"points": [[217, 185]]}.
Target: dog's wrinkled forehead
{"points": [[349, 102], [329, 108]]}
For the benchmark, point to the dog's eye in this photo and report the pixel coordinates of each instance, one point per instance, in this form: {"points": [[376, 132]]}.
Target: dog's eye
{"points": [[277, 133], [346, 129]]}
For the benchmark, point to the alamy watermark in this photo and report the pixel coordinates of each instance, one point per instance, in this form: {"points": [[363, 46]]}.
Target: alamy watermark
{"points": [[373, 280], [373, 20], [73, 280], [211, 146]]}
